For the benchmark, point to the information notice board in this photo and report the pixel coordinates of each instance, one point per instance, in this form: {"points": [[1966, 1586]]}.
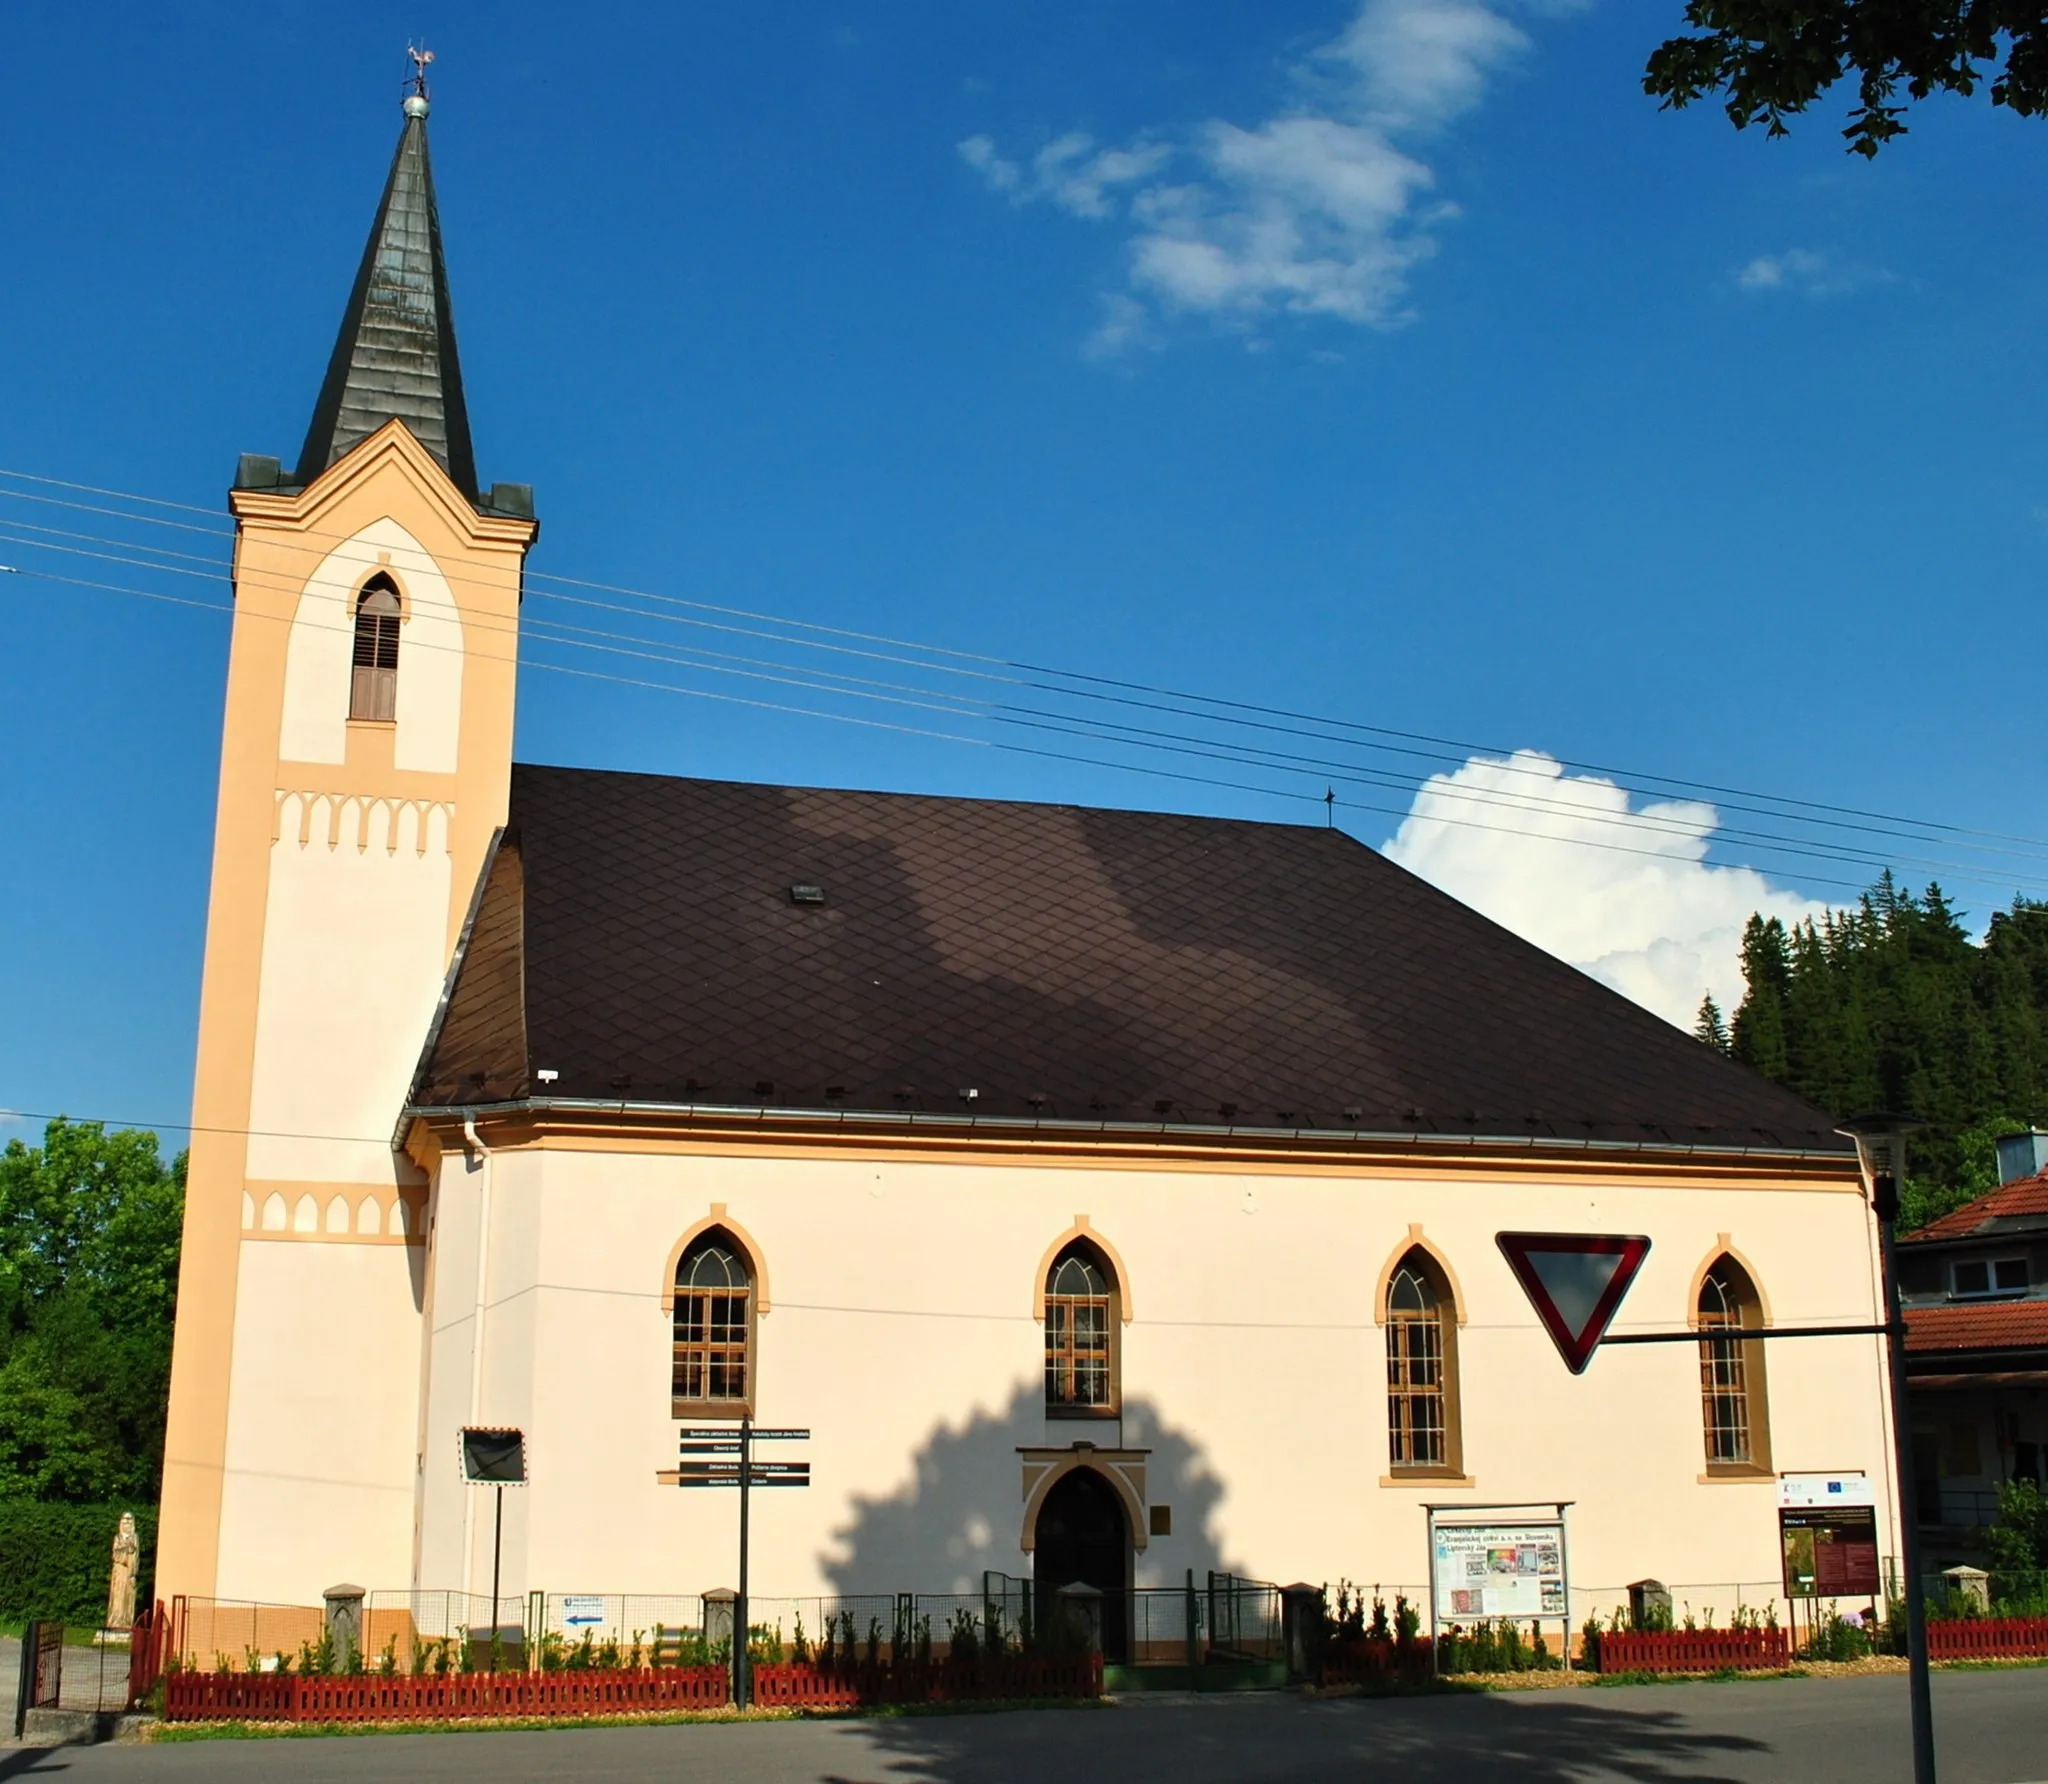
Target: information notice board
{"points": [[1498, 1570], [1827, 1526]]}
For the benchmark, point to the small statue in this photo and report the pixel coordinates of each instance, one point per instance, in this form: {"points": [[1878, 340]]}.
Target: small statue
{"points": [[121, 1584]]}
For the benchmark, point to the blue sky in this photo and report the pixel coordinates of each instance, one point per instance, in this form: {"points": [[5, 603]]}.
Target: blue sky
{"points": [[1395, 362]]}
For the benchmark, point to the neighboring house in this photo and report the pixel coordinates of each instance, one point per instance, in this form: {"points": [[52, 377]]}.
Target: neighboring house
{"points": [[1129, 1183], [1975, 1284]]}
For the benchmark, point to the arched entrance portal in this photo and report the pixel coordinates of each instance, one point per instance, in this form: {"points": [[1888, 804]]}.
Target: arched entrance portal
{"points": [[1082, 1536]]}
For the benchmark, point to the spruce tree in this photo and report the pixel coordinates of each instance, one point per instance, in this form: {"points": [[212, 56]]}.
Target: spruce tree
{"points": [[1758, 1036], [1708, 1028], [1889, 1005]]}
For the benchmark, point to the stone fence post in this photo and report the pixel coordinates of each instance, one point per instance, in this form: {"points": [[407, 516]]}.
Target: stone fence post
{"points": [[344, 1622], [1302, 1631]]}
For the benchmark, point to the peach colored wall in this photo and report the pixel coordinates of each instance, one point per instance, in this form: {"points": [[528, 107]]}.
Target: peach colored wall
{"points": [[344, 856], [901, 1333]]}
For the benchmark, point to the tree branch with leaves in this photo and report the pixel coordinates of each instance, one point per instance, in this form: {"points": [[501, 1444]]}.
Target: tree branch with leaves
{"points": [[1768, 60]]}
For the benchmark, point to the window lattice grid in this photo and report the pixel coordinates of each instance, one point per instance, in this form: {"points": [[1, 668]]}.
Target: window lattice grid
{"points": [[1417, 1425], [1079, 1320], [713, 1296], [1077, 1350], [711, 1346], [1724, 1376]]}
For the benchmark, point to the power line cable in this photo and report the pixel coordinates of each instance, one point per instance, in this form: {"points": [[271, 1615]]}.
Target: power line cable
{"points": [[1404, 813], [1089, 682], [1958, 871], [1103, 731], [1575, 810]]}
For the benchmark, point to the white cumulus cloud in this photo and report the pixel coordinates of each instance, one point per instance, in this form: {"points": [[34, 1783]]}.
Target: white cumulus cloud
{"points": [[1321, 209], [1810, 274], [1644, 912]]}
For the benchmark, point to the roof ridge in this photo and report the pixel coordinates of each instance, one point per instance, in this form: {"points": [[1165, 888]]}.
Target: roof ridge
{"points": [[975, 799], [1991, 1205]]}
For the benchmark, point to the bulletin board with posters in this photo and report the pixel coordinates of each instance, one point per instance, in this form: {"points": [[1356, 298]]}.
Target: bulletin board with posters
{"points": [[1827, 1529], [1498, 1566]]}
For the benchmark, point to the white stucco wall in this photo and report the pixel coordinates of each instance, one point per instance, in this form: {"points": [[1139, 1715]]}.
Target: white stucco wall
{"points": [[1254, 1369], [316, 676], [322, 1419], [354, 950]]}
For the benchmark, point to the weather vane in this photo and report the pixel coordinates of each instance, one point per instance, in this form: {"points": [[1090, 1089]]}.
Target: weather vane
{"points": [[421, 56]]}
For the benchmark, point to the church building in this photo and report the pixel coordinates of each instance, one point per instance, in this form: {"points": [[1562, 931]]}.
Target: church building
{"points": [[1109, 1193]]}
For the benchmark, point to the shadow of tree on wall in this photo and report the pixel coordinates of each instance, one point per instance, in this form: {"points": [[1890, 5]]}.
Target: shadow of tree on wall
{"points": [[1560, 1737], [962, 1510]]}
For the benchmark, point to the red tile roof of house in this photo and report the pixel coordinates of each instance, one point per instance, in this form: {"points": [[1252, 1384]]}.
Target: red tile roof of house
{"points": [[2025, 1195], [1992, 1325]]}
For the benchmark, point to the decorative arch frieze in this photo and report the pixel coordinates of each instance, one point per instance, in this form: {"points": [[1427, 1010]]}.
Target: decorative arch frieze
{"points": [[362, 820]]}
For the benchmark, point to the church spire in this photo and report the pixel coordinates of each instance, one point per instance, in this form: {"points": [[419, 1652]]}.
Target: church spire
{"points": [[396, 353]]}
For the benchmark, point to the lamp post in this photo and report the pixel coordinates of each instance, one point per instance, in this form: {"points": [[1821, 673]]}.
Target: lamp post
{"points": [[1881, 1151]]}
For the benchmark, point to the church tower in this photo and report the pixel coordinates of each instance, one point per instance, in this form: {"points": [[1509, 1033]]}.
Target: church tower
{"points": [[365, 767]]}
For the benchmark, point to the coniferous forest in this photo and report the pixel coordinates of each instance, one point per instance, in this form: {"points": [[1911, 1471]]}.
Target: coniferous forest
{"points": [[1890, 1005]]}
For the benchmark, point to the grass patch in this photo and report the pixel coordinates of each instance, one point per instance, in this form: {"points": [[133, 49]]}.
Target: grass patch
{"points": [[1726, 1675], [287, 1731], [1454, 1686]]}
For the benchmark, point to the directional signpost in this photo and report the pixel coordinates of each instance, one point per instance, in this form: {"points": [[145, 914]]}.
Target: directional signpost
{"points": [[719, 1456], [494, 1456], [1575, 1281]]}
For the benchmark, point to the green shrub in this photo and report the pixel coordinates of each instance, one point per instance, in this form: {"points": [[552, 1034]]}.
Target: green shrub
{"points": [[1836, 1637], [54, 1559]]}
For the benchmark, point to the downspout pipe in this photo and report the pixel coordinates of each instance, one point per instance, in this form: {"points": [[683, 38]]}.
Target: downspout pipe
{"points": [[479, 1156]]}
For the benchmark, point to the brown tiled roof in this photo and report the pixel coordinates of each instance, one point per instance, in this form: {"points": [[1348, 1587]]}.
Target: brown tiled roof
{"points": [[2022, 1197], [1994, 1325], [1059, 962]]}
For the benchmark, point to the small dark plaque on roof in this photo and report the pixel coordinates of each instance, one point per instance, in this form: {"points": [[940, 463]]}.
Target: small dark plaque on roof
{"points": [[803, 894]]}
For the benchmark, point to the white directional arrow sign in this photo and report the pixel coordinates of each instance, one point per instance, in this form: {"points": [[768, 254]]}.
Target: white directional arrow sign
{"points": [[1575, 1281]]}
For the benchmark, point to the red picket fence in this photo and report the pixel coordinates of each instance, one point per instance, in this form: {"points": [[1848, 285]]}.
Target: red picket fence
{"points": [[1989, 1638], [808, 1686], [1362, 1662], [429, 1697], [1695, 1650]]}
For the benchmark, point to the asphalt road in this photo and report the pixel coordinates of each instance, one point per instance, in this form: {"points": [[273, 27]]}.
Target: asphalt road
{"points": [[1993, 1729]]}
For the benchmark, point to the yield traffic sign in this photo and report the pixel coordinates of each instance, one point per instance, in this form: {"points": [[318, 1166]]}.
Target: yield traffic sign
{"points": [[1575, 1281]]}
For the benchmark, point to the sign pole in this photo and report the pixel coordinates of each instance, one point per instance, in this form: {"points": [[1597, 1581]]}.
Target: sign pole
{"points": [[1564, 1571], [497, 1555], [1881, 1155], [740, 1626], [1922, 1697]]}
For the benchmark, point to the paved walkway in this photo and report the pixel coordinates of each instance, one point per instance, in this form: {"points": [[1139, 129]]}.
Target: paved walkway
{"points": [[1993, 1729], [94, 1679]]}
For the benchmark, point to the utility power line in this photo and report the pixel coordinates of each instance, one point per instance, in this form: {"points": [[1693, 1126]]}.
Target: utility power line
{"points": [[1844, 836]]}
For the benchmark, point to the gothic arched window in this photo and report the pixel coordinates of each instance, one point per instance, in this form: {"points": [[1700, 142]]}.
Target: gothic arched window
{"points": [[1732, 1405], [373, 685], [714, 1331], [1080, 1334], [1422, 1393]]}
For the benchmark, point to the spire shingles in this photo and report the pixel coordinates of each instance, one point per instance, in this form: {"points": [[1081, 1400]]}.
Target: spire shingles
{"points": [[395, 357]]}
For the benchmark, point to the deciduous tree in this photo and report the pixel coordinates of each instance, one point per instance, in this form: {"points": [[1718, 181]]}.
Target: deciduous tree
{"points": [[89, 1231], [1768, 60]]}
